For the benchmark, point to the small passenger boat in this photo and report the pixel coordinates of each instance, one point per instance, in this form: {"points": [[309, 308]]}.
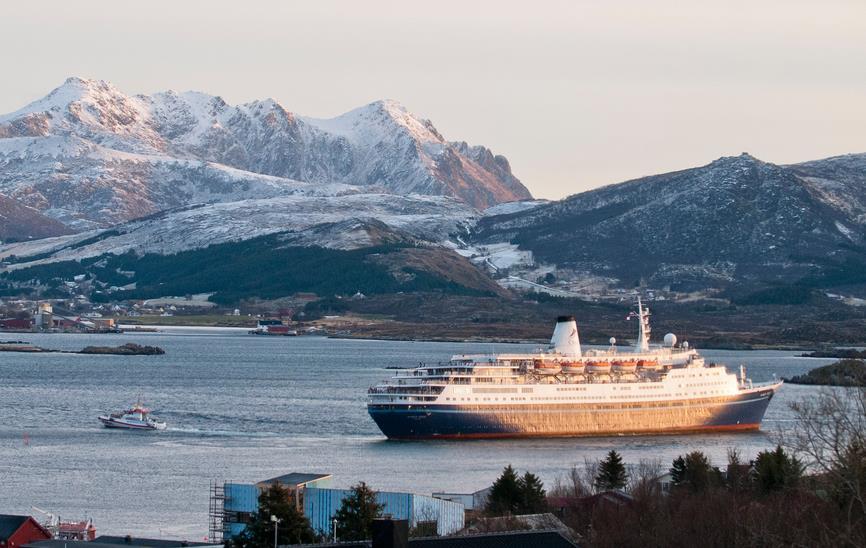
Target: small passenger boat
{"points": [[136, 418]]}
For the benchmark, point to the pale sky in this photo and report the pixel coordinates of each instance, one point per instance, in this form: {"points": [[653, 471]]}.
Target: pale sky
{"points": [[577, 94]]}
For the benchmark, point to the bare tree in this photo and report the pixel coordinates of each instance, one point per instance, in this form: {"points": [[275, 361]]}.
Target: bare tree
{"points": [[643, 477], [830, 438], [578, 482]]}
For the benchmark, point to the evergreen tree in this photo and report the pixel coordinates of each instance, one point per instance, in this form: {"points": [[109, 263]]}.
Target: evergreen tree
{"points": [[357, 512], [739, 473], [694, 472], [293, 527], [678, 471], [848, 476], [533, 499], [776, 470], [505, 494], [611, 473]]}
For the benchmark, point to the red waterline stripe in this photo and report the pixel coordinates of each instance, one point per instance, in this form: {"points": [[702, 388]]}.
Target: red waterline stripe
{"points": [[513, 435]]}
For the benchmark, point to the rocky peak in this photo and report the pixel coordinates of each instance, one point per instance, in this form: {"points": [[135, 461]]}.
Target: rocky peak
{"points": [[100, 156], [760, 220]]}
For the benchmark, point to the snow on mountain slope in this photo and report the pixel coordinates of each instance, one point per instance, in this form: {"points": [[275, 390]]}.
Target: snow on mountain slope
{"points": [[341, 222], [90, 156], [513, 207], [85, 185], [840, 182], [89, 109]]}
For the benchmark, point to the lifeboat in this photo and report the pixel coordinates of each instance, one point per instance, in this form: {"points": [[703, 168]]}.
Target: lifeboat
{"points": [[573, 368], [598, 367], [648, 364], [627, 366], [546, 368]]}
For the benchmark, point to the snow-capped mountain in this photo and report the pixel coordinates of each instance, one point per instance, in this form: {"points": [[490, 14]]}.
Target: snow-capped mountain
{"points": [[91, 156], [736, 219]]}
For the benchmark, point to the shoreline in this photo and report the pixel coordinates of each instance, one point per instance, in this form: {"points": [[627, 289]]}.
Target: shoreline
{"points": [[149, 329], [591, 342]]}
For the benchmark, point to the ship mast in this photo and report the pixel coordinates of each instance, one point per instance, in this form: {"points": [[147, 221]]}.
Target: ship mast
{"points": [[644, 329]]}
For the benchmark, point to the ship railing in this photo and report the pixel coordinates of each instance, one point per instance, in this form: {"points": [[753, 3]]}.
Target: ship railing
{"points": [[399, 398], [428, 373], [437, 380], [419, 383], [411, 390]]}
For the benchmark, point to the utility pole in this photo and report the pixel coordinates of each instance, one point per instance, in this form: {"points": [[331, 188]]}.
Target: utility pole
{"points": [[276, 521], [335, 529]]}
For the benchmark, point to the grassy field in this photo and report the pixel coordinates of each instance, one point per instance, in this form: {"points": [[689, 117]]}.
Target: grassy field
{"points": [[198, 320]]}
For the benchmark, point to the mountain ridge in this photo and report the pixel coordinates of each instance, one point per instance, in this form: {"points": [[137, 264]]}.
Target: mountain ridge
{"points": [[91, 156], [734, 219]]}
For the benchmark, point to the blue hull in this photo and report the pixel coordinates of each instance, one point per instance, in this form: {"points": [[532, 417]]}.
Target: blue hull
{"points": [[732, 413]]}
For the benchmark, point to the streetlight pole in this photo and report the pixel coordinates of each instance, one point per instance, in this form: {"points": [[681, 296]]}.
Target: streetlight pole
{"points": [[276, 521]]}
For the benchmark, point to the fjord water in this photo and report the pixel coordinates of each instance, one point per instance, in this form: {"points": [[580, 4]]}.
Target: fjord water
{"points": [[244, 408]]}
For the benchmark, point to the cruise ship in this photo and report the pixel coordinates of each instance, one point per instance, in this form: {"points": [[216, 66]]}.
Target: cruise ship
{"points": [[565, 391]]}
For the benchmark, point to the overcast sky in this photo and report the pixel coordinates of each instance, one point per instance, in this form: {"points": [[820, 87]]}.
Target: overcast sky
{"points": [[575, 94]]}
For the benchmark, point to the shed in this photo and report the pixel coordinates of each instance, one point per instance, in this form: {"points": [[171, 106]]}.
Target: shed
{"points": [[470, 501]]}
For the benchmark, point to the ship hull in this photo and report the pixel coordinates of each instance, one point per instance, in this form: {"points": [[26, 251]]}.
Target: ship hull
{"points": [[113, 423], [741, 412]]}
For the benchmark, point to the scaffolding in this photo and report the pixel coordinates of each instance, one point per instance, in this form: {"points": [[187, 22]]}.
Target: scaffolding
{"points": [[216, 511]]}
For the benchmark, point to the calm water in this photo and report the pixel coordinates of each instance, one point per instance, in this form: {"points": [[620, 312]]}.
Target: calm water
{"points": [[247, 408]]}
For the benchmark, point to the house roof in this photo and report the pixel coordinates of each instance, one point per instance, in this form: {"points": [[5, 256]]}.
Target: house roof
{"points": [[294, 479], [507, 539], [9, 524], [614, 496], [153, 542], [115, 542]]}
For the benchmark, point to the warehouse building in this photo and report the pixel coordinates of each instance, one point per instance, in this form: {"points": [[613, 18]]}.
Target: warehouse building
{"points": [[320, 506], [233, 505]]}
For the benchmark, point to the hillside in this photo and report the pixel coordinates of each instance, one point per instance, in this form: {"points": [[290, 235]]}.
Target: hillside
{"points": [[20, 223], [736, 221], [266, 267], [842, 373]]}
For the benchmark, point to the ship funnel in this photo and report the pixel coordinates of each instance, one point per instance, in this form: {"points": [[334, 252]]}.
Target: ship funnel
{"points": [[565, 340]]}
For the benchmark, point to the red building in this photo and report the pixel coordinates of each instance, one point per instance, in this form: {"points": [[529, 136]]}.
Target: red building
{"points": [[17, 531], [16, 324]]}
